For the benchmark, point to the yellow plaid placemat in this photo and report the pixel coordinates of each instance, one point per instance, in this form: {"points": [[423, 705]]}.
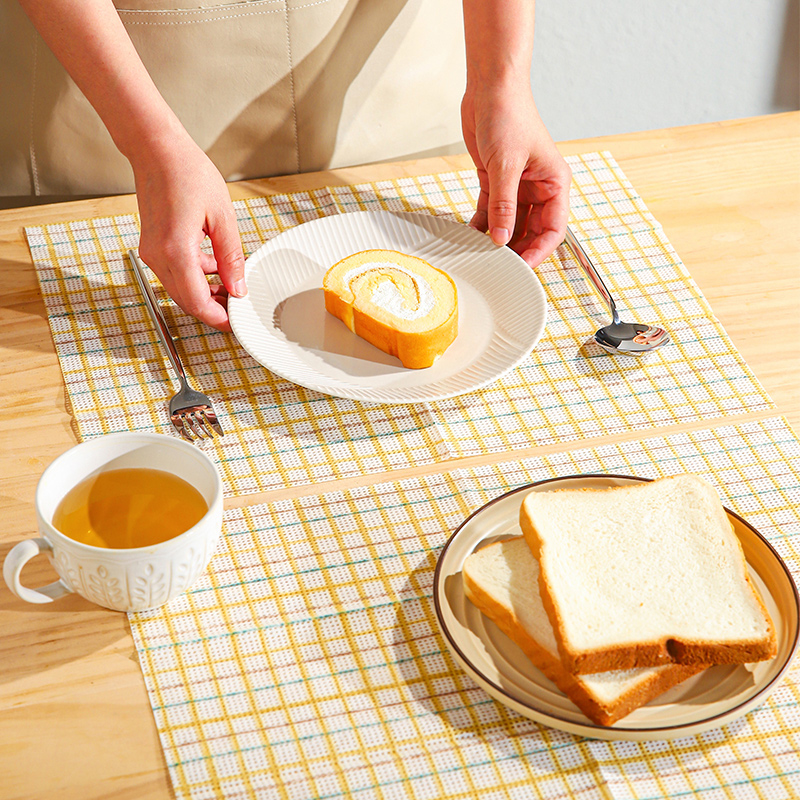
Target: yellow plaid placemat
{"points": [[307, 662], [569, 388], [279, 434]]}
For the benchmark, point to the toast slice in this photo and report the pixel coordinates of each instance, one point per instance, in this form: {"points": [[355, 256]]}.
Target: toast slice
{"points": [[643, 575], [399, 303], [501, 580]]}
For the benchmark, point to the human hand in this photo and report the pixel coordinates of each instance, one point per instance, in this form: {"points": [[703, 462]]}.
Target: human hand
{"points": [[524, 181], [182, 199]]}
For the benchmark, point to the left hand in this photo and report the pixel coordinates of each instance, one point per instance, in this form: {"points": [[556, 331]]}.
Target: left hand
{"points": [[524, 180]]}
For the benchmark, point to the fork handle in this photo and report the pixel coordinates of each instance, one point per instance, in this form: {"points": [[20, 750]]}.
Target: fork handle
{"points": [[157, 316]]}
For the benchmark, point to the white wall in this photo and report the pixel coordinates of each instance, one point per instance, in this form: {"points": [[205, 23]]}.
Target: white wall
{"points": [[611, 66]]}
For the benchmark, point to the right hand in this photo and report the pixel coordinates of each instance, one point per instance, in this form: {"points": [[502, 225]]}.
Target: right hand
{"points": [[524, 180], [182, 199]]}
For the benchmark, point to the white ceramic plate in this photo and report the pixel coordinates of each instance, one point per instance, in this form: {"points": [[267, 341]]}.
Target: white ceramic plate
{"points": [[712, 698], [283, 324]]}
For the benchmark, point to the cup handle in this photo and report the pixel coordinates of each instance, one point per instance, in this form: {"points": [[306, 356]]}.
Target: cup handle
{"points": [[18, 556]]}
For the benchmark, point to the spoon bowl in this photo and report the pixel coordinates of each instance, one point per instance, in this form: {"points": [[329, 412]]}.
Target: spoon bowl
{"points": [[628, 338]]}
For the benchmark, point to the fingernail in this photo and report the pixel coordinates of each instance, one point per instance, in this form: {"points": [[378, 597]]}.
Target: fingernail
{"points": [[500, 236], [240, 288]]}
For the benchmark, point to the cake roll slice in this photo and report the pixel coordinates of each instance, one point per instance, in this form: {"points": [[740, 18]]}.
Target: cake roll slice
{"points": [[399, 303]]}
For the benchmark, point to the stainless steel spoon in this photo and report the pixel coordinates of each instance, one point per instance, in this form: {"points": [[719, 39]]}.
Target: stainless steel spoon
{"points": [[630, 338]]}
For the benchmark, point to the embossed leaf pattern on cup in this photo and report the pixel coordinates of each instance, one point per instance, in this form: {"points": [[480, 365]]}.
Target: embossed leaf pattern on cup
{"points": [[151, 588], [104, 589], [67, 571], [146, 588], [187, 570]]}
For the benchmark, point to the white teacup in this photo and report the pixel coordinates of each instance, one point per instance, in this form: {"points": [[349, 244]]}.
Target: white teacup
{"points": [[131, 579]]}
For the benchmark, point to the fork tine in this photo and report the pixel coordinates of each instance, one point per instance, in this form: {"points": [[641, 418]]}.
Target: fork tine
{"points": [[180, 425], [211, 419], [196, 429], [197, 422], [202, 423]]}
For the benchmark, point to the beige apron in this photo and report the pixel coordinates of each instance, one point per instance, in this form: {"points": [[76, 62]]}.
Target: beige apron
{"points": [[265, 87]]}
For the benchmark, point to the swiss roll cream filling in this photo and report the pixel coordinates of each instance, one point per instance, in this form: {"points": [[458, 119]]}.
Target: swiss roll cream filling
{"points": [[387, 296]]}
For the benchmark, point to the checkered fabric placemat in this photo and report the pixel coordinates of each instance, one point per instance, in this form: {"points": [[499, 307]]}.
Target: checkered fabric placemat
{"points": [[307, 662], [279, 434]]}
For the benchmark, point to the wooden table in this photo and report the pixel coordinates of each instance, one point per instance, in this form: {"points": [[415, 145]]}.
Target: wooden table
{"points": [[76, 721]]}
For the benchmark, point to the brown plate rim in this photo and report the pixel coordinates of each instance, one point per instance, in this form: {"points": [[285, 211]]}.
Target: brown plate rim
{"points": [[588, 725]]}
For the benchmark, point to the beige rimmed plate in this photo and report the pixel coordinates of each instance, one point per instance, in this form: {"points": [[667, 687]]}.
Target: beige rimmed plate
{"points": [[715, 697], [282, 322]]}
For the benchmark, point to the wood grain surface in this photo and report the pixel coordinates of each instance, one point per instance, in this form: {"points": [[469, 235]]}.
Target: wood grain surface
{"points": [[76, 721]]}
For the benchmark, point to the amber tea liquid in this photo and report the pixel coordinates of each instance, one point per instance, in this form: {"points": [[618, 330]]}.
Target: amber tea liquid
{"points": [[125, 508]]}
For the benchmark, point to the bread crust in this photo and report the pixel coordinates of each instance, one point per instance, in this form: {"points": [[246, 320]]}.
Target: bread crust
{"points": [[593, 708], [658, 652]]}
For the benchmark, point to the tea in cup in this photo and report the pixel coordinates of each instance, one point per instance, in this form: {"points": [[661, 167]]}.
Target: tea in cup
{"points": [[128, 520]]}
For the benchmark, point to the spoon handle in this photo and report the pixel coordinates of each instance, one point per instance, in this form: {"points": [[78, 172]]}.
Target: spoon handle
{"points": [[591, 272]]}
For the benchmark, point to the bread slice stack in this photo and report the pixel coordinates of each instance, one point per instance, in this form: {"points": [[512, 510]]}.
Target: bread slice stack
{"points": [[399, 303], [618, 594]]}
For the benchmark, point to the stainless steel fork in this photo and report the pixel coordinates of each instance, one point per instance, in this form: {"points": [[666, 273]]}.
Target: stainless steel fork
{"points": [[191, 412]]}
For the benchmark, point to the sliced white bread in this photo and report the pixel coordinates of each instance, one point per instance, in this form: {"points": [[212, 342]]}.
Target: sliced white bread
{"points": [[399, 303], [501, 580], [646, 574]]}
